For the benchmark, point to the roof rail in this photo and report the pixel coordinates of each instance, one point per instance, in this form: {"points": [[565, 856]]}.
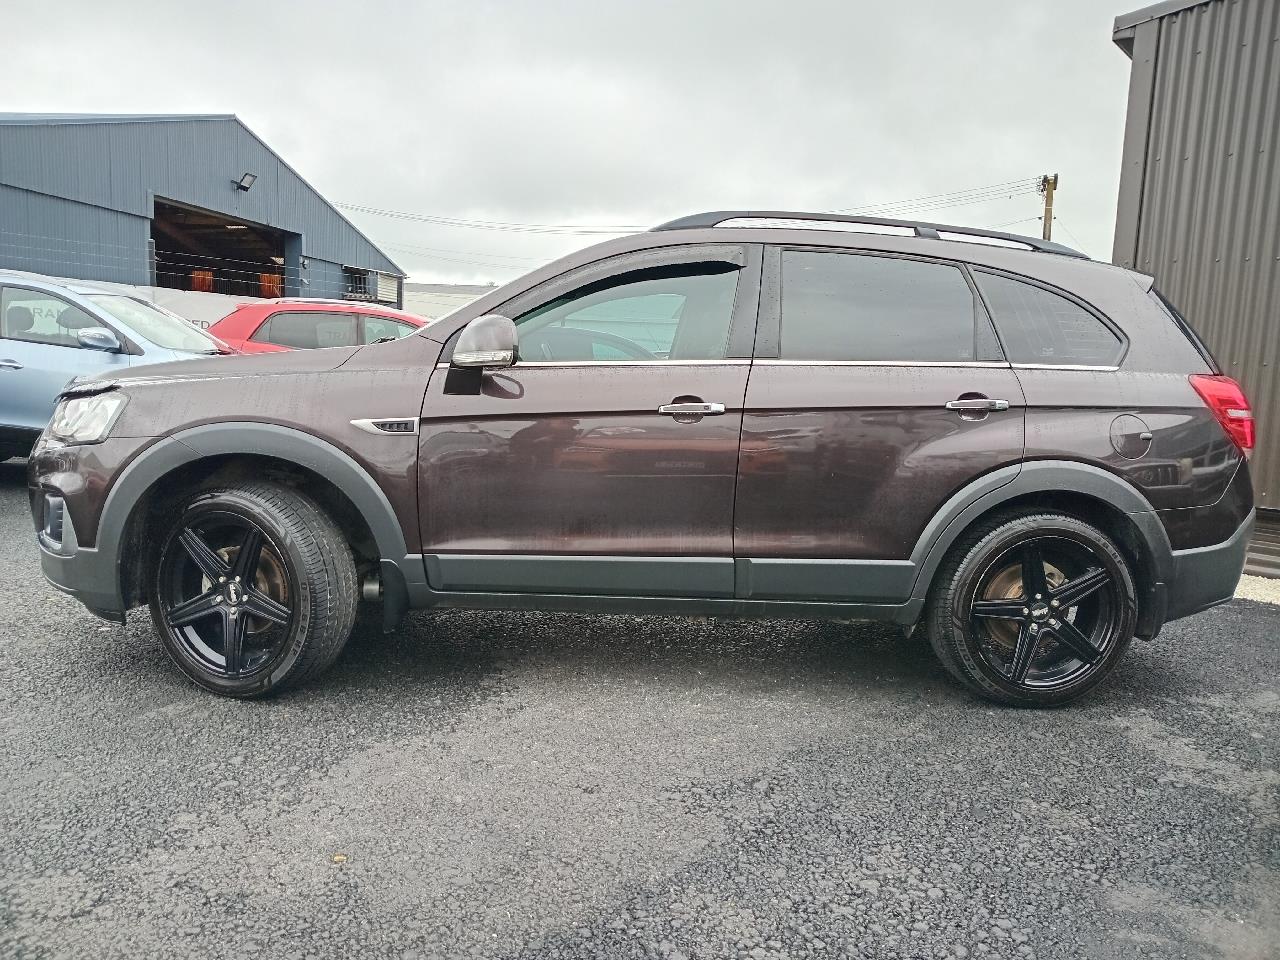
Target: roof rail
{"points": [[928, 231]]}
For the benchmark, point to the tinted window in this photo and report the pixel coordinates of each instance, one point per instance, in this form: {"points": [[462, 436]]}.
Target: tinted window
{"points": [[839, 306], [308, 329], [41, 318], [1039, 326], [678, 313], [375, 328]]}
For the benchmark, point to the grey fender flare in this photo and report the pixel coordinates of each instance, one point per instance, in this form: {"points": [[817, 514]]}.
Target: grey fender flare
{"points": [[1037, 476], [262, 439]]}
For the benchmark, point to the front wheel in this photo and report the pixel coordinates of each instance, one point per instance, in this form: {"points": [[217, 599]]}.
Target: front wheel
{"points": [[1032, 610], [254, 589]]}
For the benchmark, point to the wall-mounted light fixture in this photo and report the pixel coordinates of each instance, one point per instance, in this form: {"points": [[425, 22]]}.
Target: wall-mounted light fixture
{"points": [[246, 181]]}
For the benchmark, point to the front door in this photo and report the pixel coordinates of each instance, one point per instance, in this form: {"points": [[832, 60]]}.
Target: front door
{"points": [[39, 356], [879, 389], [604, 460]]}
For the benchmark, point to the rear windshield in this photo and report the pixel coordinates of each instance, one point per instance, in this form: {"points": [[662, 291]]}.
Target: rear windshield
{"points": [[163, 329], [1181, 323]]}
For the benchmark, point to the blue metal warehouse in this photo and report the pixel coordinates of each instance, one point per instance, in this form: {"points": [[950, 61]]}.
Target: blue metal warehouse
{"points": [[190, 202]]}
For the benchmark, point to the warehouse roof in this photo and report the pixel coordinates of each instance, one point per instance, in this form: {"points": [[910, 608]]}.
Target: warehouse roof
{"points": [[40, 119], [1125, 23]]}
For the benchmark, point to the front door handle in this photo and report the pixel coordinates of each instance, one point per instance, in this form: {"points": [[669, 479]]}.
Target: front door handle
{"points": [[980, 405], [10, 365], [692, 409]]}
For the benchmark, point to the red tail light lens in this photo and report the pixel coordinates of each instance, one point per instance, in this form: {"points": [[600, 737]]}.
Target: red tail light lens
{"points": [[1227, 401]]}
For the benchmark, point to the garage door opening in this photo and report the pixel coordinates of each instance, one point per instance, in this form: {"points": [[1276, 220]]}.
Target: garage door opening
{"points": [[211, 253]]}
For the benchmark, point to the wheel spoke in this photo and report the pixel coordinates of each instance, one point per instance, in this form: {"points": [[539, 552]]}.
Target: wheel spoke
{"points": [[1023, 654], [193, 609], [1034, 583], [246, 564], [260, 605], [1000, 609], [1071, 637], [210, 564], [1072, 592], [233, 631]]}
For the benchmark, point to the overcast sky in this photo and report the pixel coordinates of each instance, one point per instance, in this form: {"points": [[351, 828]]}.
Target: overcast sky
{"points": [[617, 113]]}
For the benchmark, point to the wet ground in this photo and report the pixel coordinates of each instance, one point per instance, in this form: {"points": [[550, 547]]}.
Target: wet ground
{"points": [[525, 785]]}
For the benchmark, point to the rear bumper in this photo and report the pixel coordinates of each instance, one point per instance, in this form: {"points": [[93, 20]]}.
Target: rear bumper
{"points": [[1204, 577]]}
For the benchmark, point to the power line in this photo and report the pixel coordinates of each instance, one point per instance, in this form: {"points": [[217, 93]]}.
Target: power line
{"points": [[498, 225], [952, 198]]}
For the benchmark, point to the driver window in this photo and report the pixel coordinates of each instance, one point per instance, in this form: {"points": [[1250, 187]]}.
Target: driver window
{"points": [[670, 313], [41, 318]]}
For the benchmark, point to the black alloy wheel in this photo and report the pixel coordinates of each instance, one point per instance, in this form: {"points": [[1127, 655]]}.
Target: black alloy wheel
{"points": [[1039, 627], [225, 595], [253, 589], [1038, 609]]}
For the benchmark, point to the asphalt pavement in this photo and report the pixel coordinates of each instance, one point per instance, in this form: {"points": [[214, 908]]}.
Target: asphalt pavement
{"points": [[537, 785]]}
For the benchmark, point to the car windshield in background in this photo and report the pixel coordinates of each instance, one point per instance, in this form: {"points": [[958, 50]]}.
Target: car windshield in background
{"points": [[162, 329]]}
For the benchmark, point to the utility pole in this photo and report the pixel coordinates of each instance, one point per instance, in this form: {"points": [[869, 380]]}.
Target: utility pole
{"points": [[1048, 184]]}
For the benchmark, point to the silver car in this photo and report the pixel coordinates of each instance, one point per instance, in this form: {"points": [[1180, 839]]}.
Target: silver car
{"points": [[51, 333]]}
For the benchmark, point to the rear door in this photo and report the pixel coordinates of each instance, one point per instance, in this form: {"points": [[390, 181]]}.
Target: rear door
{"points": [[849, 447], [603, 461]]}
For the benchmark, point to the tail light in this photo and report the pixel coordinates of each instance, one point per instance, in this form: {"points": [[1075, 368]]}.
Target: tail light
{"points": [[1227, 401]]}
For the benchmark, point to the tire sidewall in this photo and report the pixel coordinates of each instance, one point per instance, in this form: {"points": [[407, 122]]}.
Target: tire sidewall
{"points": [[234, 503], [976, 563]]}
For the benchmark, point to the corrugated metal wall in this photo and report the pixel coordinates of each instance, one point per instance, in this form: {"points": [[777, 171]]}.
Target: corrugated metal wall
{"points": [[1200, 191], [39, 233], [124, 166]]}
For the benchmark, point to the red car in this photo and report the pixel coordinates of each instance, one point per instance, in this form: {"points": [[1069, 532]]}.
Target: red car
{"points": [[269, 326]]}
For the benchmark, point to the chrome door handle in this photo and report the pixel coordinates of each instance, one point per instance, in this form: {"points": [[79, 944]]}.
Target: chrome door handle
{"points": [[10, 365], [981, 405], [692, 409]]}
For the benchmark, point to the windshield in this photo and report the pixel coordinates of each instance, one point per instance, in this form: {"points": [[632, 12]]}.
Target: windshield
{"points": [[162, 329]]}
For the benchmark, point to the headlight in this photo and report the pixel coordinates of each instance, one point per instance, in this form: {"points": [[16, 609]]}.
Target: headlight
{"points": [[86, 419]]}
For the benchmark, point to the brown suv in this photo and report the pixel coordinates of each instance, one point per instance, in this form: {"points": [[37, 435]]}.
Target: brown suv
{"points": [[1026, 454]]}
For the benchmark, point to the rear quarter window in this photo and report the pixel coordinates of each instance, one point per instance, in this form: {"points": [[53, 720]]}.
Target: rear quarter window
{"points": [[1038, 326]]}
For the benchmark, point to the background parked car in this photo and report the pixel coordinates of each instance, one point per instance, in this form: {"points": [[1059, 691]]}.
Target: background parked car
{"points": [[274, 325], [50, 334]]}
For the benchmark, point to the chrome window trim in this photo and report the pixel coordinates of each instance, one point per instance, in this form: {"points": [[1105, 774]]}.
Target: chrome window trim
{"points": [[983, 364], [1065, 366], [730, 362]]}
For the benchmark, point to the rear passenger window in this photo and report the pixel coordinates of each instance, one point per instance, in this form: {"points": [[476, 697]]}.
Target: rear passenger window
{"points": [[838, 306], [307, 329], [1039, 326]]}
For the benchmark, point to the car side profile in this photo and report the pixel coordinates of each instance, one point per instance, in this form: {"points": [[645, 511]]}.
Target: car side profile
{"points": [[270, 326], [51, 333], [1026, 455]]}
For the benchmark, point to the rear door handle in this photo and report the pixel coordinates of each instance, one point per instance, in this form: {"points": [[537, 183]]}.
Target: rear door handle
{"points": [[982, 405], [10, 365], [692, 409]]}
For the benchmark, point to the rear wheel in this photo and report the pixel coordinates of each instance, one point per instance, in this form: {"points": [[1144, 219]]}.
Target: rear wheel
{"points": [[1032, 610], [254, 589]]}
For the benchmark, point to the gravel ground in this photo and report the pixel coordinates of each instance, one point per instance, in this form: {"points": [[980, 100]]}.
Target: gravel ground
{"points": [[521, 785]]}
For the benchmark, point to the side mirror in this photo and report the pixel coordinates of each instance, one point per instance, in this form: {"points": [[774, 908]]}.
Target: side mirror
{"points": [[98, 338], [487, 342]]}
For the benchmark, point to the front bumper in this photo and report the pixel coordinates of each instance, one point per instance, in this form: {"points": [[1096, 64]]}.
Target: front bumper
{"points": [[1204, 577], [82, 572]]}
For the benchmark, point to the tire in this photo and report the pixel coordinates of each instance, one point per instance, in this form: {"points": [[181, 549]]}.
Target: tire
{"points": [[253, 589], [1047, 651]]}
